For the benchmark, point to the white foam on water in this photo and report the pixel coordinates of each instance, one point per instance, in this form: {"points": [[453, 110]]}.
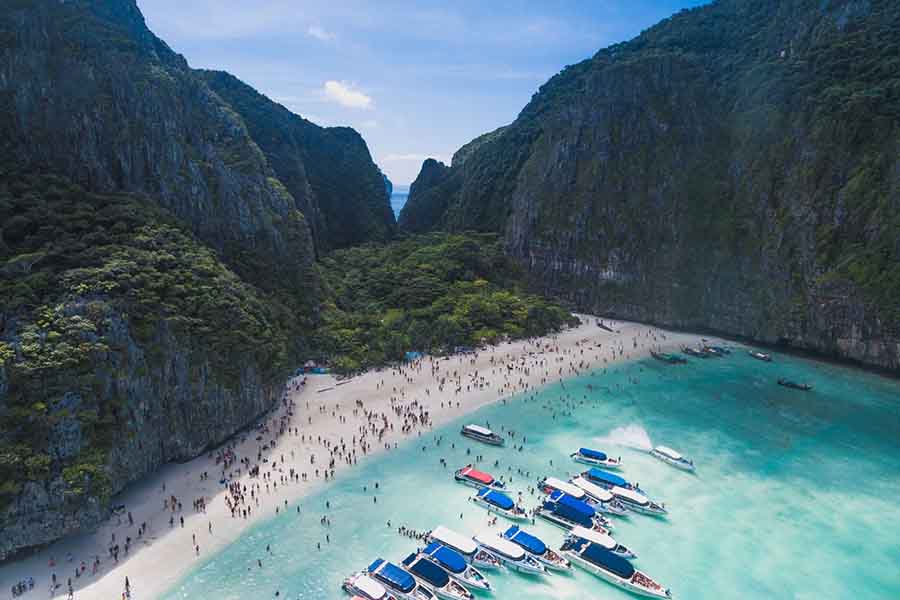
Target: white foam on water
{"points": [[629, 436]]}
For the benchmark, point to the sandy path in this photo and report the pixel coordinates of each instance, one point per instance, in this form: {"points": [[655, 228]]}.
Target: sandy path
{"points": [[323, 409]]}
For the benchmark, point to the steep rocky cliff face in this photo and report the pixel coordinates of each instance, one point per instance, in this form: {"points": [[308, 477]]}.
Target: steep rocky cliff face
{"points": [[734, 168], [157, 263], [327, 170]]}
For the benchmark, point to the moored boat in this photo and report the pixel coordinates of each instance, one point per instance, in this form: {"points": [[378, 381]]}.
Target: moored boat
{"points": [[397, 581], [456, 566], [361, 585], [672, 457], [608, 480], [602, 539], [760, 355], [638, 502], [512, 555], [805, 387], [605, 499], [552, 484], [472, 477], [672, 359], [566, 512], [463, 545], [500, 504], [596, 458], [481, 434], [611, 568], [694, 352], [536, 547], [435, 578]]}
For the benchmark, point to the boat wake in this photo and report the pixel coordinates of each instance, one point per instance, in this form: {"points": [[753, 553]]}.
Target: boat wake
{"points": [[630, 436]]}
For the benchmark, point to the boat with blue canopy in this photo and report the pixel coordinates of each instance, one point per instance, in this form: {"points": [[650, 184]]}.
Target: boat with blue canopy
{"points": [[596, 458], [397, 581], [605, 500], [468, 549], [435, 578], [566, 512], [611, 568], [512, 555], [361, 585], [606, 479], [536, 547], [456, 566], [499, 503]]}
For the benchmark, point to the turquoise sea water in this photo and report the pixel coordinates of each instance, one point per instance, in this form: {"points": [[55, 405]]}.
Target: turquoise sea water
{"points": [[795, 496]]}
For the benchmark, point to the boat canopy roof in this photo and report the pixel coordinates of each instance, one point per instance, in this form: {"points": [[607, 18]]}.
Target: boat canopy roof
{"points": [[479, 476], [456, 541], [447, 558], [392, 575], [592, 453], [595, 537], [600, 475], [495, 543], [669, 452], [526, 540], [572, 509], [564, 486], [600, 493], [479, 429], [602, 557], [427, 570], [631, 496], [371, 588], [498, 499]]}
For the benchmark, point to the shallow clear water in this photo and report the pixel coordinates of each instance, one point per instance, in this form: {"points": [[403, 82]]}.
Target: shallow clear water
{"points": [[795, 496]]}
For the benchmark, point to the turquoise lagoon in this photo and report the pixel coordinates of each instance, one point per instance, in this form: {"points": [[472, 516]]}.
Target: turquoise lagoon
{"points": [[796, 494]]}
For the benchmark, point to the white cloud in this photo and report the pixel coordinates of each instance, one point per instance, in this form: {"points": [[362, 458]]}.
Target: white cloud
{"points": [[319, 33], [346, 95]]}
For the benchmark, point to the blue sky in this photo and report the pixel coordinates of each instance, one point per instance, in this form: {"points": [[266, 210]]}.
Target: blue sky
{"points": [[416, 79]]}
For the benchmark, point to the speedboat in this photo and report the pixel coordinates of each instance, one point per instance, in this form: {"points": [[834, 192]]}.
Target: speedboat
{"points": [[794, 385], [596, 458], [694, 352], [511, 555], [552, 484], [482, 434], [611, 568], [605, 500], [471, 477], [456, 566], [499, 503], [720, 350], [397, 581], [435, 578], [760, 355], [468, 549], [667, 455], [566, 512], [638, 502], [714, 351], [602, 539], [609, 480], [672, 359], [361, 585], [534, 546]]}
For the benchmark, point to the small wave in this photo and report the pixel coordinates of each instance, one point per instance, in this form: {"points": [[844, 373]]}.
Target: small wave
{"points": [[630, 436]]}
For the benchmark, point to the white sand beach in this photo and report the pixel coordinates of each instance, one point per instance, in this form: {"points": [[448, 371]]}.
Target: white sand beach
{"points": [[327, 420]]}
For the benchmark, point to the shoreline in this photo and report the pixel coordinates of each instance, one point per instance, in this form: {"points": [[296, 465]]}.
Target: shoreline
{"points": [[312, 425]]}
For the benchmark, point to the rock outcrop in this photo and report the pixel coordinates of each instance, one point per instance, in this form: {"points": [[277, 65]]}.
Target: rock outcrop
{"points": [[735, 168]]}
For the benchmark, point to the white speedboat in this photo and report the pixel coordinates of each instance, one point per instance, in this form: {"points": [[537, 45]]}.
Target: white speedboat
{"points": [[566, 512], [470, 476], [608, 480], [596, 458], [512, 555], [603, 540], [667, 455], [362, 586], [611, 568], [605, 500], [469, 550], [456, 566], [536, 547], [435, 578], [760, 355], [500, 504], [549, 485], [482, 434], [638, 502], [397, 581]]}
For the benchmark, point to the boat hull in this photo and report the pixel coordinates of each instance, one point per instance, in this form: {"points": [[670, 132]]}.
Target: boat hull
{"points": [[672, 462], [645, 510], [472, 579], [563, 523], [614, 579], [474, 484], [528, 567], [494, 440], [511, 515], [609, 463]]}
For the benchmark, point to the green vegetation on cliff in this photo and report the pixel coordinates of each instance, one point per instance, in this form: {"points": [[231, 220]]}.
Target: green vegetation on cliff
{"points": [[426, 293]]}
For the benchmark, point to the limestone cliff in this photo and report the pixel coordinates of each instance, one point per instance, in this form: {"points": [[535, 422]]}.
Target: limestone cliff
{"points": [[734, 168]]}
